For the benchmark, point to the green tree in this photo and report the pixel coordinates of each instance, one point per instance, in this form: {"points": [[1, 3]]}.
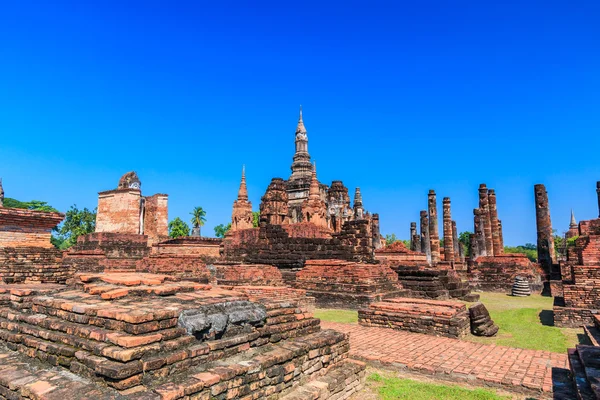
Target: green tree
{"points": [[178, 228], [221, 230], [255, 218], [531, 253], [77, 222], [464, 238], [198, 218], [34, 205], [391, 238]]}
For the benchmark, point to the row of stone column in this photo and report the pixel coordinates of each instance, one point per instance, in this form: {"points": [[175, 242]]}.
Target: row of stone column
{"points": [[487, 239], [428, 241]]}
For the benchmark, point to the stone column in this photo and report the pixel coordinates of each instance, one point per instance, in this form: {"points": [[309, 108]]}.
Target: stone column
{"points": [[473, 247], [485, 217], [434, 235], [598, 191], [479, 234], [448, 239], [545, 239], [457, 246], [425, 244], [501, 236], [494, 222], [415, 240]]}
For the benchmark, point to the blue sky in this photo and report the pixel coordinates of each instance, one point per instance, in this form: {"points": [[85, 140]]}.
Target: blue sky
{"points": [[399, 98]]}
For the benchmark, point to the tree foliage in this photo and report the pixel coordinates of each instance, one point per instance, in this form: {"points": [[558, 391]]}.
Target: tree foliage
{"points": [[34, 205], [390, 238], [255, 218], [198, 217], [77, 222], [529, 249], [464, 239], [178, 228], [221, 230]]}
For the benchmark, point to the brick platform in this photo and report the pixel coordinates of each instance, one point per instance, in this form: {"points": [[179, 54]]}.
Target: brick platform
{"points": [[438, 318], [526, 371], [153, 337], [343, 284], [497, 273], [248, 275]]}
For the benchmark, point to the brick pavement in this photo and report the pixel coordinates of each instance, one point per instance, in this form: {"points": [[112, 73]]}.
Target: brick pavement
{"points": [[509, 368]]}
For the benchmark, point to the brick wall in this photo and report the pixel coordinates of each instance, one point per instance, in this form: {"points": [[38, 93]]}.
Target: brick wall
{"points": [[248, 275], [156, 217], [498, 273], [32, 265], [196, 246], [25, 228], [119, 211]]}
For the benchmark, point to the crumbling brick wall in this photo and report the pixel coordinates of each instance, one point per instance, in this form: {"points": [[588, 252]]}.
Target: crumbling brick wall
{"points": [[26, 228], [156, 217], [32, 265], [119, 211]]}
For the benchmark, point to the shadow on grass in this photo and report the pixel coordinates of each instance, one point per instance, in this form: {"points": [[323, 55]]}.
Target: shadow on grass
{"points": [[547, 317]]}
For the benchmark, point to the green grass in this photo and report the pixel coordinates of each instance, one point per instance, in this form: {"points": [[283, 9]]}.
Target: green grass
{"points": [[391, 388], [342, 316], [521, 326], [517, 317]]}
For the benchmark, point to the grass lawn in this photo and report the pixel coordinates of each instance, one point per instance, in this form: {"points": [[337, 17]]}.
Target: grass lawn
{"points": [[342, 316], [521, 321], [392, 388], [519, 318]]}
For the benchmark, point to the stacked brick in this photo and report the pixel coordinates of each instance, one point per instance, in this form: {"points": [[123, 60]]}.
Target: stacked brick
{"points": [[139, 334], [488, 238], [498, 273], [431, 317], [432, 283], [248, 275], [25, 228], [342, 284], [545, 237], [287, 248], [32, 265], [397, 253]]}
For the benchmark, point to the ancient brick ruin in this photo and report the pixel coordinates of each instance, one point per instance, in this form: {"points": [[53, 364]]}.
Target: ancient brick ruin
{"points": [[26, 253], [431, 317], [125, 210], [577, 294], [490, 268], [241, 217], [349, 285], [129, 335], [545, 237]]}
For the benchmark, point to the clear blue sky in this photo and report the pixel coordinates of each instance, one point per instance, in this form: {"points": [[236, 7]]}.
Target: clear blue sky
{"points": [[399, 97]]}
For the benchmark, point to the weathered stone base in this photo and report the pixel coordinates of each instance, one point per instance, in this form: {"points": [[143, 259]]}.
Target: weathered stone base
{"points": [[432, 317]]}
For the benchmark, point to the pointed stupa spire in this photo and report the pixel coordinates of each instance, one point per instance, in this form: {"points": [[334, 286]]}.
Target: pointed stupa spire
{"points": [[313, 192], [357, 197], [243, 192], [300, 127], [573, 223]]}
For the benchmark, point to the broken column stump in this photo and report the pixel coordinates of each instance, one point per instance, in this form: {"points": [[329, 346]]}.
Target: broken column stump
{"points": [[481, 322], [521, 287]]}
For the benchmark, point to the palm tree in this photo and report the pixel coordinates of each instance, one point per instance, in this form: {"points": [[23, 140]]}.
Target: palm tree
{"points": [[198, 218]]}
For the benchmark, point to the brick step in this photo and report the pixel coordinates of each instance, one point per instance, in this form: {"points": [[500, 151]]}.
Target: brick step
{"points": [[580, 382], [24, 378], [593, 334], [277, 369], [589, 357], [340, 382]]}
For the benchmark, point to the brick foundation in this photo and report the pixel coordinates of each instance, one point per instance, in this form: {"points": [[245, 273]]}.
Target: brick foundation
{"points": [[432, 317], [498, 273]]}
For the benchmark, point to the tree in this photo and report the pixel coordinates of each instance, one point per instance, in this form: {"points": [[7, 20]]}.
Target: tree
{"points": [[391, 238], [77, 222], [530, 252], [198, 218], [178, 228], [255, 218], [34, 205], [464, 238], [221, 230]]}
